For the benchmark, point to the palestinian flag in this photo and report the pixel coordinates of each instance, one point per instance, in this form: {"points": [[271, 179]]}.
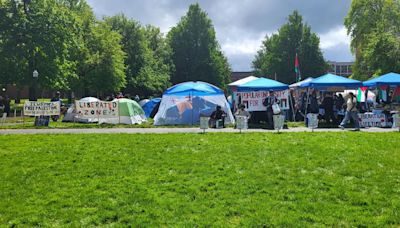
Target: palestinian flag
{"points": [[361, 96], [396, 94], [382, 92], [297, 69]]}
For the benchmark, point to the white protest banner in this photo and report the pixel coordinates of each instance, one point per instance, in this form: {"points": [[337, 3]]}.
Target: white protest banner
{"points": [[372, 120], [97, 109], [254, 100], [35, 108]]}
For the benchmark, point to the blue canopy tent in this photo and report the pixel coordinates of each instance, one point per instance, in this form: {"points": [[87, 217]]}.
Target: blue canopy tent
{"points": [[262, 84], [331, 80], [150, 105], [328, 81], [184, 103], [390, 79]]}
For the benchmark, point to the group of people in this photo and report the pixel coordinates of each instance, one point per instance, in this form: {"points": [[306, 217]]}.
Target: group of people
{"points": [[332, 104], [336, 109]]}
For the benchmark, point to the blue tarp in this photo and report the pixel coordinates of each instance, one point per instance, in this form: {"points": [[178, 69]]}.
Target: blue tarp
{"points": [[390, 79], [331, 80], [262, 84], [149, 106], [193, 89]]}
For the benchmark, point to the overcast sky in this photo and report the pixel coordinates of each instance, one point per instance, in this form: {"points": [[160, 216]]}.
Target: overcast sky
{"points": [[241, 25]]}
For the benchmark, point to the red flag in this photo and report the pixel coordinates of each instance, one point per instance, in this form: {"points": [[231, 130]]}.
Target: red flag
{"points": [[297, 69]]}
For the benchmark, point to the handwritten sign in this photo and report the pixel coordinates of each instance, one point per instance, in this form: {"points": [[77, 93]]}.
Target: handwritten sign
{"points": [[100, 109], [35, 108], [254, 100], [372, 120]]}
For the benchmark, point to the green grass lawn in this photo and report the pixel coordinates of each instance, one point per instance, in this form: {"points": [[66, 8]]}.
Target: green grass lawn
{"points": [[289, 179]]}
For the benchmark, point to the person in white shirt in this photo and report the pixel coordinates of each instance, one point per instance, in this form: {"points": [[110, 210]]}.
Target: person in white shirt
{"points": [[242, 112], [351, 112]]}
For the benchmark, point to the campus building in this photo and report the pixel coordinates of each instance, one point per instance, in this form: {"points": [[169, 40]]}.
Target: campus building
{"points": [[340, 68]]}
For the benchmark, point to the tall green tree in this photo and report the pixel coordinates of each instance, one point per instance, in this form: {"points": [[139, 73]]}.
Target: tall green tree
{"points": [[107, 73], [64, 42], [196, 53], [148, 69], [374, 26], [278, 52], [98, 55], [36, 36]]}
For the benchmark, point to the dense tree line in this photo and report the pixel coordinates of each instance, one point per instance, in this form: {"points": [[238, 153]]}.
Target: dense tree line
{"points": [[76, 52], [278, 52], [374, 26]]}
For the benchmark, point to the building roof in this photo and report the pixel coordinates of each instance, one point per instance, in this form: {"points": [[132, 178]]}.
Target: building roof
{"points": [[237, 75]]}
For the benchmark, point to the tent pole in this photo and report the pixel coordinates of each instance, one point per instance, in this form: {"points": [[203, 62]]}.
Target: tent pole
{"points": [[191, 102], [119, 116], [292, 106], [305, 114]]}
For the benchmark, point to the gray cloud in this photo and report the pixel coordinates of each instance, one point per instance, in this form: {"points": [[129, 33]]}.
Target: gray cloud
{"points": [[239, 23]]}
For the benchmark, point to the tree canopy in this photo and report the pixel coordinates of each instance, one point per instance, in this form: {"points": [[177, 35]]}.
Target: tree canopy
{"points": [[374, 26], [147, 67], [63, 41], [196, 53], [278, 52]]}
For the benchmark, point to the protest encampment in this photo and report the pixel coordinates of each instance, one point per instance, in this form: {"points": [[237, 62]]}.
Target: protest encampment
{"points": [[199, 113]]}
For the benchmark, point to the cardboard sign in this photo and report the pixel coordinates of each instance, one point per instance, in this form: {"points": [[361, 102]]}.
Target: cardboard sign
{"points": [[97, 109], [254, 100], [372, 120], [35, 108]]}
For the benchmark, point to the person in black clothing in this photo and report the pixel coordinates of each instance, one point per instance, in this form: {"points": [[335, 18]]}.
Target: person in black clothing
{"points": [[217, 115], [268, 102], [6, 103], [57, 97], [328, 104], [313, 106]]}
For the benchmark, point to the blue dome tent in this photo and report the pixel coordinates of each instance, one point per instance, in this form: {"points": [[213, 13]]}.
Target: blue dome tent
{"points": [[184, 103], [150, 106]]}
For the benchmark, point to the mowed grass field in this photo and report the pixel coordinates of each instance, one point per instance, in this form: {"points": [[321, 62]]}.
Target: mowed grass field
{"points": [[289, 179]]}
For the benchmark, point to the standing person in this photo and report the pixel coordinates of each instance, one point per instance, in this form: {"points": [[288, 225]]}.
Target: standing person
{"points": [[56, 98], [268, 103], [339, 102], [351, 112], [6, 104], [328, 104], [313, 106]]}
